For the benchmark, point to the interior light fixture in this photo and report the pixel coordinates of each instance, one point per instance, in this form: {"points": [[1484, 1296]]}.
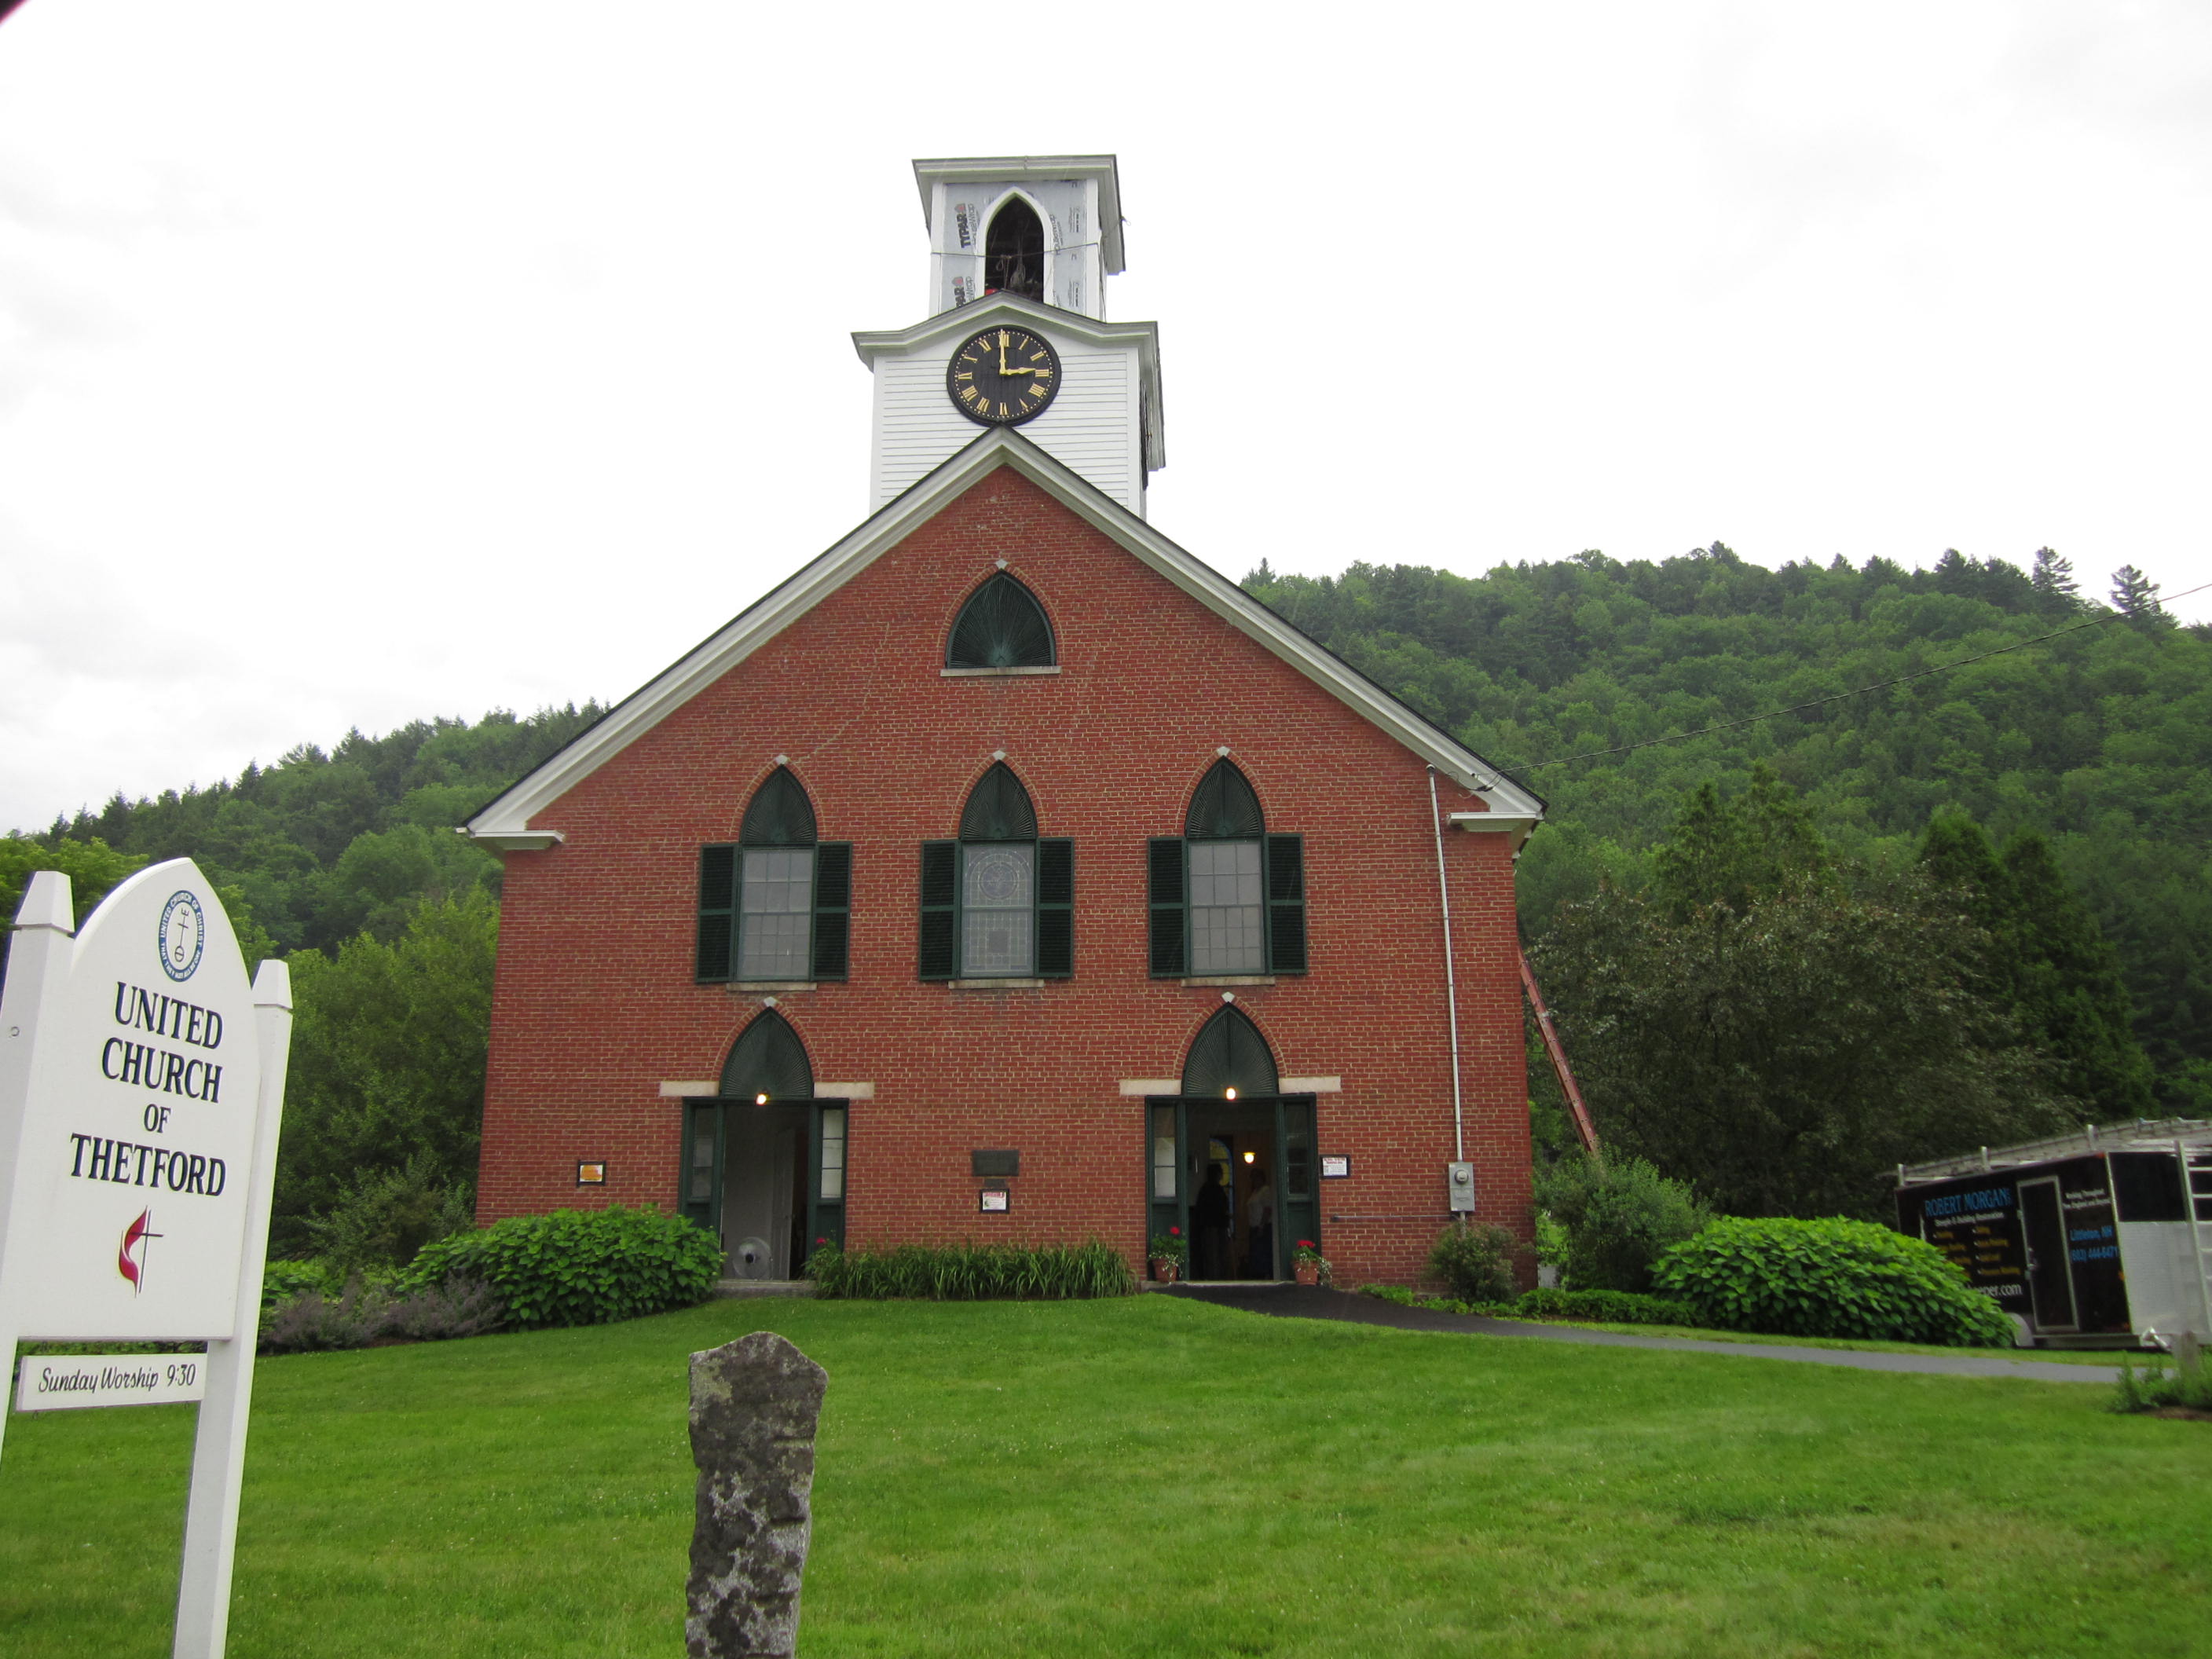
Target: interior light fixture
{"points": [[1249, 1156], [1229, 1094]]}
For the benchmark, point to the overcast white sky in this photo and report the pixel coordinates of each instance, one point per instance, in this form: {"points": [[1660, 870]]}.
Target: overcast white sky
{"points": [[360, 363]]}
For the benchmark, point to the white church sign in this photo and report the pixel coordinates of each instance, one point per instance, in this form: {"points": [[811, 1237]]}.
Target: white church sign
{"points": [[141, 1087]]}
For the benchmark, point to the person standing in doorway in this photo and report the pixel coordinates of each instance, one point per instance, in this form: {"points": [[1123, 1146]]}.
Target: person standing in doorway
{"points": [[1260, 1228], [1211, 1214]]}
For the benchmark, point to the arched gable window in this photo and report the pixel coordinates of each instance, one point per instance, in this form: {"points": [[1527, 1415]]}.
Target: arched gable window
{"points": [[999, 903], [1013, 251], [1229, 1053], [768, 1060], [1227, 899], [1001, 626], [777, 906]]}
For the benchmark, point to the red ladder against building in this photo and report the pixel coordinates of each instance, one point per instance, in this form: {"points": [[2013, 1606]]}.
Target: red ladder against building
{"points": [[1558, 1054]]}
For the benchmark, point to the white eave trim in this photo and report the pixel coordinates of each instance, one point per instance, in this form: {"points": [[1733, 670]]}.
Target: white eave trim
{"points": [[1519, 825], [508, 817], [516, 840]]}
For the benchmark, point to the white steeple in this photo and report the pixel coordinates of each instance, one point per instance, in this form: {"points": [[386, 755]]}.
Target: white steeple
{"points": [[1026, 243]]}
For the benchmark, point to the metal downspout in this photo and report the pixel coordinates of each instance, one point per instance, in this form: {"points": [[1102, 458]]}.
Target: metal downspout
{"points": [[1451, 983]]}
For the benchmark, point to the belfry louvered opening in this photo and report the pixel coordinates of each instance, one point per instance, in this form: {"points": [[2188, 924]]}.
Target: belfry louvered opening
{"points": [[777, 906], [999, 903], [1001, 626], [1226, 899]]}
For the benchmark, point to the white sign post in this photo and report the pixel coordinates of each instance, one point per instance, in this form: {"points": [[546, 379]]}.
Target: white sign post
{"points": [[142, 1089]]}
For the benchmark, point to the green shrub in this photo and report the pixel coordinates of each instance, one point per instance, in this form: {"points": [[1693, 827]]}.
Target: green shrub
{"points": [[1620, 1216], [2188, 1386], [1475, 1261], [385, 1218], [970, 1273], [1834, 1278], [1606, 1308], [579, 1267]]}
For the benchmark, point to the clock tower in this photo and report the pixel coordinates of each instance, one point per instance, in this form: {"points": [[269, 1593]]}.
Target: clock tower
{"points": [[1020, 250]]}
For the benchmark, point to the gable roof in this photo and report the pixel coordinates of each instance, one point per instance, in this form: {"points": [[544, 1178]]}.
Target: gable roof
{"points": [[506, 821]]}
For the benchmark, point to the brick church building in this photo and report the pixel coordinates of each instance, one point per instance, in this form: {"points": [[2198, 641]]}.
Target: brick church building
{"points": [[1008, 874]]}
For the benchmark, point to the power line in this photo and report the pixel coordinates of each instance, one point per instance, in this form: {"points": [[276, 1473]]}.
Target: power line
{"points": [[1839, 697]]}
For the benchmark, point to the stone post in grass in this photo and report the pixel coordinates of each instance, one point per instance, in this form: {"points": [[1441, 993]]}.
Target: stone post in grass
{"points": [[754, 1405]]}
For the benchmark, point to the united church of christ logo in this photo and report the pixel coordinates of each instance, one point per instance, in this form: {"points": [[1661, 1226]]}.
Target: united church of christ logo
{"points": [[184, 935]]}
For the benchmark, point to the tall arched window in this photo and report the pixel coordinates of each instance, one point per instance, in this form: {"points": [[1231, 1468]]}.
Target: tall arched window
{"points": [[1227, 899], [1013, 251], [1001, 626], [777, 906], [999, 903]]}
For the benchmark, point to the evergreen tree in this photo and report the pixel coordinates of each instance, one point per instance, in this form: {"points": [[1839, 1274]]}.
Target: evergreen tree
{"points": [[2052, 579], [2135, 596], [2068, 989], [1736, 854]]}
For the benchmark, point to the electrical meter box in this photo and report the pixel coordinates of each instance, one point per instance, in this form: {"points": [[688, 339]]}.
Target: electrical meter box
{"points": [[1459, 1182]]}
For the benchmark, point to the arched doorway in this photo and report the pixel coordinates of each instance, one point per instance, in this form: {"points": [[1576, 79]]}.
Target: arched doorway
{"points": [[1230, 1159], [764, 1160]]}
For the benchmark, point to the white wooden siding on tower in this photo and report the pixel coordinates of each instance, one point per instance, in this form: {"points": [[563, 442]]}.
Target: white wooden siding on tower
{"points": [[1092, 426]]}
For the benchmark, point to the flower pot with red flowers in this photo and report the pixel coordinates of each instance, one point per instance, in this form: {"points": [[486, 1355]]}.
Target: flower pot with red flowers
{"points": [[1308, 1264], [1169, 1250]]}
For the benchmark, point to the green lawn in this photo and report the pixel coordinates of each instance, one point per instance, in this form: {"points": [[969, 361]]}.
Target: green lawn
{"points": [[1145, 1476]]}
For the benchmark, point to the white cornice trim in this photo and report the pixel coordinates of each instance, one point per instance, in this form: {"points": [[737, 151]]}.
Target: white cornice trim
{"points": [[947, 326], [518, 841], [716, 655], [1519, 825]]}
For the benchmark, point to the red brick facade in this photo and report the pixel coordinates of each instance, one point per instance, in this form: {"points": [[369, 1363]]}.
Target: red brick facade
{"points": [[596, 1004]]}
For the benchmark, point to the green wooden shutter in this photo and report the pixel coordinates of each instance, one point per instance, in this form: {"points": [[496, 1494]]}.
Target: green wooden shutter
{"points": [[1286, 904], [718, 912], [940, 957], [833, 909], [1055, 910], [1170, 906]]}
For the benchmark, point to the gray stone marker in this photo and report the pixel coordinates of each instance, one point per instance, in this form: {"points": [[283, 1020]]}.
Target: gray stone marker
{"points": [[754, 1405]]}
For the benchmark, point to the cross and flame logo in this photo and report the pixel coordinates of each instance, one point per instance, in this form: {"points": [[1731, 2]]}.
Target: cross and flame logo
{"points": [[134, 1238]]}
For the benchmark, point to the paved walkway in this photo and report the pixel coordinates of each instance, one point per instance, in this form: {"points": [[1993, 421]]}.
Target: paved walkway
{"points": [[1303, 1301]]}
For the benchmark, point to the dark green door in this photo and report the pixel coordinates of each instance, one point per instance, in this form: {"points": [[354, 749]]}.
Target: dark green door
{"points": [[1173, 1163]]}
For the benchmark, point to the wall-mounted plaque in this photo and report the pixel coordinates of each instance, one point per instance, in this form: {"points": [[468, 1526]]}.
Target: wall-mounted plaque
{"points": [[1334, 1168], [1000, 1162], [591, 1174], [994, 1200]]}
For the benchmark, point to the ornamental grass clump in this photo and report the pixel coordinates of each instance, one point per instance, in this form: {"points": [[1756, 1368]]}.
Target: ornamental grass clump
{"points": [[578, 1267], [1835, 1277], [970, 1273]]}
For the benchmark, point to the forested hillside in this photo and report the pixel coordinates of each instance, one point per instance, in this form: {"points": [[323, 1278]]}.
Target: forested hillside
{"points": [[346, 862], [1962, 907], [2100, 739]]}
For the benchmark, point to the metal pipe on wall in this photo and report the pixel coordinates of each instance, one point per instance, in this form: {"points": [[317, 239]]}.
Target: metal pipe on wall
{"points": [[1451, 984]]}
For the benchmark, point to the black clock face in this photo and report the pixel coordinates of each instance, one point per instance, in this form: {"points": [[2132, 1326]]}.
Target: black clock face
{"points": [[1003, 377]]}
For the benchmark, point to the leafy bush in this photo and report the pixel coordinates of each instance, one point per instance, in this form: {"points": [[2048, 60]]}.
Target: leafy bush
{"points": [[384, 1218], [1595, 1307], [285, 1281], [1620, 1216], [2188, 1386], [1833, 1278], [578, 1267], [1606, 1308], [971, 1272], [1475, 1261], [311, 1323]]}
